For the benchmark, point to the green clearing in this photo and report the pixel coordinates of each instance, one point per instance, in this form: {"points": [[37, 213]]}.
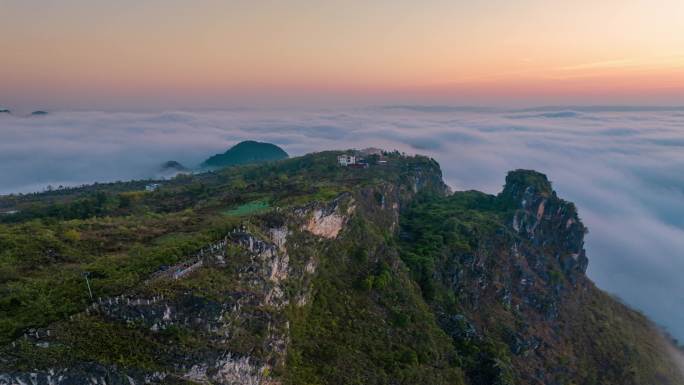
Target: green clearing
{"points": [[248, 208]]}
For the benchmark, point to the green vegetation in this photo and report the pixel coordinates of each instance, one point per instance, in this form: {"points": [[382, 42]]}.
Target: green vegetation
{"points": [[248, 208], [440, 233], [534, 180], [122, 234], [42, 265], [367, 323]]}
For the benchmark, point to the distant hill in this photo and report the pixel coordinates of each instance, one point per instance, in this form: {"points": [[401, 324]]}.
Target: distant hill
{"points": [[170, 169], [246, 152], [38, 113], [172, 165], [5, 111]]}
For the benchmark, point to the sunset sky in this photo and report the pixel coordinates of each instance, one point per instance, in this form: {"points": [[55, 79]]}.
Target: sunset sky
{"points": [[195, 54]]}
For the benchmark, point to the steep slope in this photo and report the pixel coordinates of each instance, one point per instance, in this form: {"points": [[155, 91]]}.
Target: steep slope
{"points": [[246, 152], [511, 268], [304, 272]]}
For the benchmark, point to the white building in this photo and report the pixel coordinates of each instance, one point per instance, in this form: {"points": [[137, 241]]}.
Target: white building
{"points": [[152, 187], [346, 160]]}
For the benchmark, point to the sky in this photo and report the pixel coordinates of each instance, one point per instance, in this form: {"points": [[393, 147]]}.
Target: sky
{"points": [[173, 54], [621, 166]]}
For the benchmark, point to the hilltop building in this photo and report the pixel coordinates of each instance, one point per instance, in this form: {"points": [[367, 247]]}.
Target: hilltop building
{"points": [[346, 160]]}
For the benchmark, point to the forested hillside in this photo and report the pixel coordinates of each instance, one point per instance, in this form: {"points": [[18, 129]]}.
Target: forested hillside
{"points": [[302, 271]]}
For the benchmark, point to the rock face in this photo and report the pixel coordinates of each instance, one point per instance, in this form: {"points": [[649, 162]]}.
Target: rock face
{"points": [[328, 220], [547, 221], [81, 374], [522, 284]]}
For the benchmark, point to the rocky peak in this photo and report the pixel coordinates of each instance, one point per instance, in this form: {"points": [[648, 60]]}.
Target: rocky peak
{"points": [[524, 184], [548, 222], [427, 175]]}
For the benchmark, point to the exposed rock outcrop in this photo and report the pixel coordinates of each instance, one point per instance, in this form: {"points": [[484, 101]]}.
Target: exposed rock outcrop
{"points": [[547, 221], [328, 220]]}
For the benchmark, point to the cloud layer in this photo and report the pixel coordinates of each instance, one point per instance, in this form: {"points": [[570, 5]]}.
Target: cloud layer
{"points": [[622, 167]]}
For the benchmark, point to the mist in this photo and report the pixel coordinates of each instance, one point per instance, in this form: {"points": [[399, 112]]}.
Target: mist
{"points": [[621, 166]]}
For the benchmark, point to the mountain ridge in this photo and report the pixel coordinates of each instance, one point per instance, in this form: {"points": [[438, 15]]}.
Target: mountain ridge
{"points": [[376, 276]]}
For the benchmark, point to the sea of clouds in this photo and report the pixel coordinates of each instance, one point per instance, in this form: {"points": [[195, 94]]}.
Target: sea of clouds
{"points": [[623, 167]]}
